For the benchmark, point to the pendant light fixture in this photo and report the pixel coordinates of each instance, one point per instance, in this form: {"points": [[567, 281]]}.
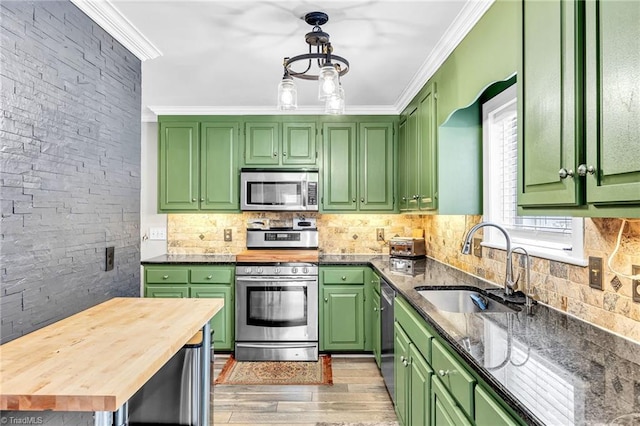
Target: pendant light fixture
{"points": [[321, 65]]}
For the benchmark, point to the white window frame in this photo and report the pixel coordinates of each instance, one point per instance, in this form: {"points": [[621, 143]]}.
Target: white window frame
{"points": [[539, 244]]}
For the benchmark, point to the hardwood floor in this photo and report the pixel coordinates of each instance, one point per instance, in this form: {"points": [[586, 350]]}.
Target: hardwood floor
{"points": [[358, 396]]}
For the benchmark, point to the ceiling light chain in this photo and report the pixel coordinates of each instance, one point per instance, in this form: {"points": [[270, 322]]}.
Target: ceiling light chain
{"points": [[331, 68]]}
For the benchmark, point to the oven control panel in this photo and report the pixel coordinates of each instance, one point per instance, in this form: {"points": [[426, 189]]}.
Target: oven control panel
{"points": [[302, 269]]}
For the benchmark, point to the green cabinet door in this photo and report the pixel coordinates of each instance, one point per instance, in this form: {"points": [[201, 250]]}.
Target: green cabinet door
{"points": [[427, 139], [420, 388], [339, 190], [445, 411], [299, 144], [403, 185], [550, 117], [343, 318], [375, 328], [262, 144], [375, 165], [178, 166], [613, 107], [219, 177], [489, 412], [222, 324], [412, 161], [166, 291], [401, 375]]}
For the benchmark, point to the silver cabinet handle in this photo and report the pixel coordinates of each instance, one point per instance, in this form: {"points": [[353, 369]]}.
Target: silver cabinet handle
{"points": [[583, 169], [443, 373], [564, 173]]}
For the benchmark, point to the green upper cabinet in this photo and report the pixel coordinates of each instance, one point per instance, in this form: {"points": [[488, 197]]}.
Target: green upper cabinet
{"points": [[613, 107], [339, 190], [550, 103], [375, 174], [219, 177], [278, 142], [358, 166], [178, 168], [198, 166], [578, 140]]}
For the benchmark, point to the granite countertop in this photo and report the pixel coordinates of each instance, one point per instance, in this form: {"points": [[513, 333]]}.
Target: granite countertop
{"points": [[552, 368], [195, 259]]}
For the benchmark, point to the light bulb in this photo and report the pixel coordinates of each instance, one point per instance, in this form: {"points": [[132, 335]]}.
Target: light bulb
{"points": [[287, 94], [329, 81]]}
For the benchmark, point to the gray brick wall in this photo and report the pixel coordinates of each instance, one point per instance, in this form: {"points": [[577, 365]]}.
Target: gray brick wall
{"points": [[69, 168]]}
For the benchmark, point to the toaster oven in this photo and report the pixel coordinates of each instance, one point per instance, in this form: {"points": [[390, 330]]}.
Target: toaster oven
{"points": [[407, 247]]}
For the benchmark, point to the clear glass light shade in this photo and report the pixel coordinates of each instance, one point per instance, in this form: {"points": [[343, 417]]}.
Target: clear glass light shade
{"points": [[335, 103], [287, 94], [328, 82]]}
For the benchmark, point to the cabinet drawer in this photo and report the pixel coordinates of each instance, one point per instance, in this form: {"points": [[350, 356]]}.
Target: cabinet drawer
{"points": [[454, 376], [414, 326], [162, 275], [343, 276], [211, 276], [489, 412]]}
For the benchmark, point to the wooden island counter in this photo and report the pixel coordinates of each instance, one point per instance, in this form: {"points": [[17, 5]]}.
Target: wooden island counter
{"points": [[97, 359]]}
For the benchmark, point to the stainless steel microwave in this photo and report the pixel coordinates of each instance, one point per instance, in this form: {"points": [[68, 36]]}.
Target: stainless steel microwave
{"points": [[279, 190]]}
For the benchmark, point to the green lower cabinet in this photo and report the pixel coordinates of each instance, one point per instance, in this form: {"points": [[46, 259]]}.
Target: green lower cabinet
{"points": [[343, 318], [420, 385], [401, 375], [166, 291], [375, 329], [445, 411], [216, 282], [454, 376], [489, 412], [222, 323]]}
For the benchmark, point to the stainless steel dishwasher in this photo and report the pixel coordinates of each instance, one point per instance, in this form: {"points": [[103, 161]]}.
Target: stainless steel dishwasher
{"points": [[386, 334]]}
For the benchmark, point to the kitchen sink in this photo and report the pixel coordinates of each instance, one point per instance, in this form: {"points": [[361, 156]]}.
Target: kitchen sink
{"points": [[463, 300]]}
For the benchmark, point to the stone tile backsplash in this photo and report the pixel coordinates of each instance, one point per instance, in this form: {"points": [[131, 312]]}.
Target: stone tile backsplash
{"points": [[560, 285]]}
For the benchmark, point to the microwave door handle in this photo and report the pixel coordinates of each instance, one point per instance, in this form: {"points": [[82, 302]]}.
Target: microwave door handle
{"points": [[304, 193]]}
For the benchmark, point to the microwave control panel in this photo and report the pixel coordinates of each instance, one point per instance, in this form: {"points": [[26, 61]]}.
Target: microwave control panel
{"points": [[312, 193]]}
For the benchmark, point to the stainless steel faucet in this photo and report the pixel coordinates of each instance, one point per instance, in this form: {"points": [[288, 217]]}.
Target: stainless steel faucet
{"points": [[509, 283], [527, 285]]}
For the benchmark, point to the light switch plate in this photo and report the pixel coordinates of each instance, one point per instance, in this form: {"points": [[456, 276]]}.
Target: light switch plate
{"points": [[228, 234], [477, 248], [635, 284], [595, 272], [157, 233], [379, 234]]}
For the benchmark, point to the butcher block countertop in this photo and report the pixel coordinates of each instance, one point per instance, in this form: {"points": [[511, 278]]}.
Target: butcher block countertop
{"points": [[272, 255], [97, 359]]}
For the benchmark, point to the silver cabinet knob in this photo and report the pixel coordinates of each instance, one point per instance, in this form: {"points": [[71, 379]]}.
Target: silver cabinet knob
{"points": [[194, 200], [284, 154], [381, 309], [165, 277], [564, 173], [406, 363], [375, 309], [353, 200], [344, 278], [201, 199], [583, 169], [443, 373], [404, 198], [362, 200], [326, 300], [275, 153], [209, 277]]}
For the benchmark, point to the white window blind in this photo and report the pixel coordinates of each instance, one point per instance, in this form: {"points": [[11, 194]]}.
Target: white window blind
{"points": [[557, 238]]}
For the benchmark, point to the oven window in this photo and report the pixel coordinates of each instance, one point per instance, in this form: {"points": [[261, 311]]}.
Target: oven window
{"points": [[277, 306], [274, 193]]}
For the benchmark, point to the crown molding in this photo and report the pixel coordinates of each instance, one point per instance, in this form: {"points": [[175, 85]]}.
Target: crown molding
{"points": [[459, 28], [154, 111], [105, 14]]}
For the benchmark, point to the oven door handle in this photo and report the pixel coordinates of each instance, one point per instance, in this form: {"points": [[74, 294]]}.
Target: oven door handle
{"points": [[271, 280], [277, 346]]}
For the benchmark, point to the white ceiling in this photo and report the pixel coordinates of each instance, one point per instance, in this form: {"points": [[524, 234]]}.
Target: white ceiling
{"points": [[225, 57]]}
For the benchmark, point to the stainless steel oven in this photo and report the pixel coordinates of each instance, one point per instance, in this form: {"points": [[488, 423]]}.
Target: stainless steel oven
{"points": [[277, 312]]}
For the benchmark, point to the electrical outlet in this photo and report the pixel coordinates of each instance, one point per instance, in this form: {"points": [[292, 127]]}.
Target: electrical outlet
{"points": [[595, 272], [228, 234], [477, 248], [635, 284], [379, 234], [157, 233], [110, 254]]}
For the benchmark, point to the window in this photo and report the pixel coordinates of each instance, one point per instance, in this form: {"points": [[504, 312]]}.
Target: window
{"points": [[556, 238]]}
